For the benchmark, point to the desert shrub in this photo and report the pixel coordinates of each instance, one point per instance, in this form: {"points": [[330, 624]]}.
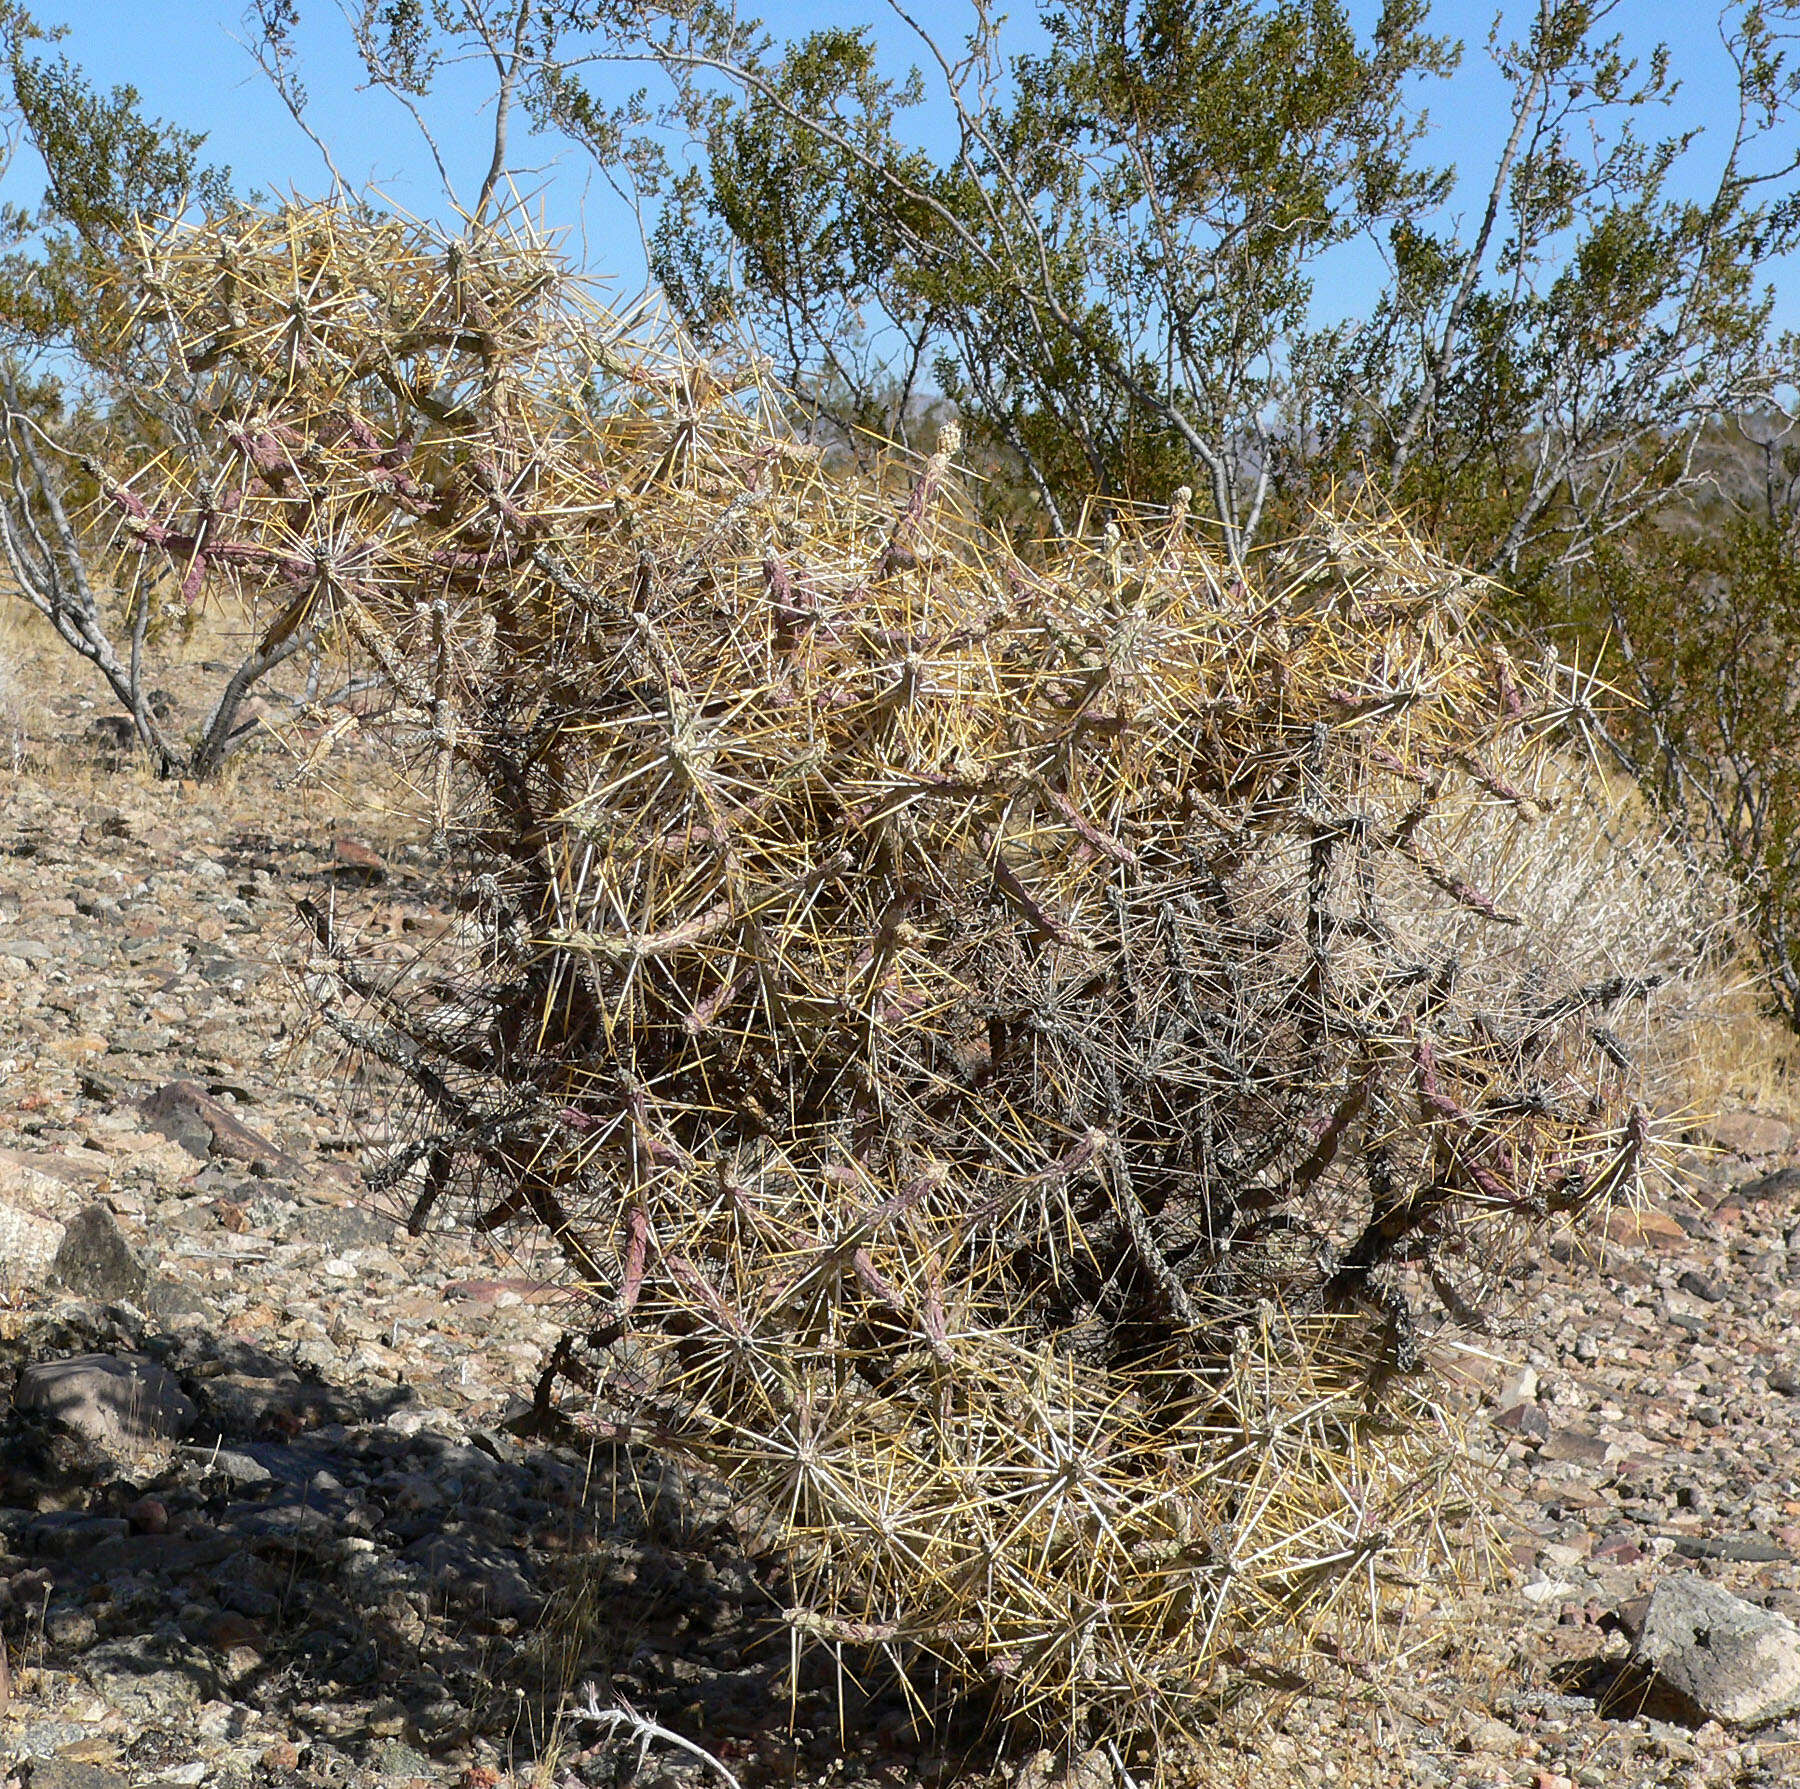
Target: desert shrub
{"points": [[1022, 1059], [1702, 615]]}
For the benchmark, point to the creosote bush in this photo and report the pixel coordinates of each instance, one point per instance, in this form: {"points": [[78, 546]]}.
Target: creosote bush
{"points": [[1025, 1060]]}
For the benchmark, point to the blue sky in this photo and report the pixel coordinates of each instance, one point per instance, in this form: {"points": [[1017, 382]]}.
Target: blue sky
{"points": [[183, 57]]}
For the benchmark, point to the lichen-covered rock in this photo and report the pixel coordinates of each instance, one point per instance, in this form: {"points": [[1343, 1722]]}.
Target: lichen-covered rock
{"points": [[94, 1260], [1734, 1662]]}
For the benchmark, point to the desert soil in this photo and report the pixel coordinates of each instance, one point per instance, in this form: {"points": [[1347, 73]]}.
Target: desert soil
{"points": [[362, 1561]]}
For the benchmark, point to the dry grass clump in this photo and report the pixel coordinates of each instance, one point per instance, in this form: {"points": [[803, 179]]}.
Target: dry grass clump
{"points": [[1742, 1057], [1612, 887], [1611, 891], [12, 721], [15, 731], [1021, 1056]]}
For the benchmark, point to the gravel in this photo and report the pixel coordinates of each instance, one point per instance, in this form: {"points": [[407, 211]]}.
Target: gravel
{"points": [[361, 1564]]}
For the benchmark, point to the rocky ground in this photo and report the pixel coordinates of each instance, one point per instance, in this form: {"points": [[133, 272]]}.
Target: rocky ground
{"points": [[275, 1508]]}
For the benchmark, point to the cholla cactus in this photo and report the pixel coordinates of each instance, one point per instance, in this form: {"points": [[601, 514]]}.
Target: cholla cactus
{"points": [[1016, 1054]]}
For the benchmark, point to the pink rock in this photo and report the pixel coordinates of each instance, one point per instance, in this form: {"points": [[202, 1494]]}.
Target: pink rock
{"points": [[149, 1515], [185, 1112], [228, 1631], [1644, 1227], [1748, 1134], [489, 1291], [357, 859], [28, 1243]]}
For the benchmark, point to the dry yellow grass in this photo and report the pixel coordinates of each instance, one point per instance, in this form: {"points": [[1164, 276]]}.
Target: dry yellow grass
{"points": [[24, 644], [1740, 1056]]}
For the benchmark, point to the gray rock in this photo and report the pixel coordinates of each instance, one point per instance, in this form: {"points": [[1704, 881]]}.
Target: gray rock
{"points": [[71, 1533], [1697, 1285], [149, 1679], [475, 1574], [397, 1759], [1735, 1663], [43, 1739], [95, 1261], [67, 1773], [341, 1226], [235, 1464], [112, 1399]]}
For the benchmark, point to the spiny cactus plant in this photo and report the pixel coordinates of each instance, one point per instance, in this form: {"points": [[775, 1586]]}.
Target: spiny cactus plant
{"points": [[1015, 1053]]}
